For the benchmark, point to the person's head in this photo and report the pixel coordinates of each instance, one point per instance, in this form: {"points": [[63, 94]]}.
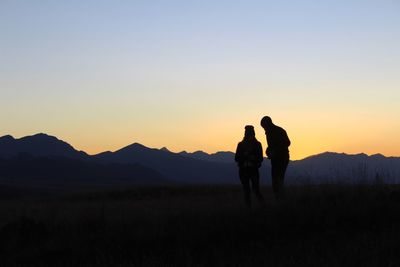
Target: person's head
{"points": [[266, 122], [249, 131]]}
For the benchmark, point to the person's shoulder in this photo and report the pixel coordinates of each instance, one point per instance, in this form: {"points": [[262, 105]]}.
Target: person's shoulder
{"points": [[278, 128], [259, 145]]}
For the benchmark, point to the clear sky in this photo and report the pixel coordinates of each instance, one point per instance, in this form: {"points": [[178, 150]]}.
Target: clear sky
{"points": [[189, 75]]}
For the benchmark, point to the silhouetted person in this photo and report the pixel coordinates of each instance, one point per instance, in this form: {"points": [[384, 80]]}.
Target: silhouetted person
{"points": [[278, 152], [249, 157]]}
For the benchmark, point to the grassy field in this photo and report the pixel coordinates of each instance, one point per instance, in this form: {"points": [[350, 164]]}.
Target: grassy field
{"points": [[203, 226]]}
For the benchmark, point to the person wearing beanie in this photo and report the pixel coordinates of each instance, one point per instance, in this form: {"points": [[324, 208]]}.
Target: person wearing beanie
{"points": [[278, 152], [249, 157]]}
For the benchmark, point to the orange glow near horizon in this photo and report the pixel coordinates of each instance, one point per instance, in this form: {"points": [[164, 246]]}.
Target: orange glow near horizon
{"points": [[314, 130], [301, 146], [343, 134]]}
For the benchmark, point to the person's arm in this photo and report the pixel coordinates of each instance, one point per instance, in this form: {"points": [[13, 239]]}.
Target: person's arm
{"points": [[287, 139], [259, 154], [238, 155]]}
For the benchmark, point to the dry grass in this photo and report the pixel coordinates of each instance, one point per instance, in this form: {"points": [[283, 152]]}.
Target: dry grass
{"points": [[203, 226]]}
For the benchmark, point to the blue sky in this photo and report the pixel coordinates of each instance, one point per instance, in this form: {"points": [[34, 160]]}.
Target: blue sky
{"points": [[189, 75]]}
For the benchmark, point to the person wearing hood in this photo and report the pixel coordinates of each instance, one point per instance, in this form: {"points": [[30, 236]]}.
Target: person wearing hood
{"points": [[249, 157]]}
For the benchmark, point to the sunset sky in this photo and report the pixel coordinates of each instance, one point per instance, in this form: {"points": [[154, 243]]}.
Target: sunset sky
{"points": [[189, 75]]}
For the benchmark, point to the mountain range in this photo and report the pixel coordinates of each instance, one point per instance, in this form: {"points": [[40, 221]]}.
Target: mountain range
{"points": [[44, 159]]}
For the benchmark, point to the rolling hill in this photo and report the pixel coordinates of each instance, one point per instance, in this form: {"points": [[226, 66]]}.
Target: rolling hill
{"points": [[38, 156]]}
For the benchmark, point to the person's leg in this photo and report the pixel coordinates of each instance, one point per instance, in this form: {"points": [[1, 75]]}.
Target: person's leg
{"points": [[255, 183], [275, 177], [244, 179], [281, 166]]}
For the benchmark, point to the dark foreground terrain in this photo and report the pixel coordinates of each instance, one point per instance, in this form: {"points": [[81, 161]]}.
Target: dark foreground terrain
{"points": [[202, 226]]}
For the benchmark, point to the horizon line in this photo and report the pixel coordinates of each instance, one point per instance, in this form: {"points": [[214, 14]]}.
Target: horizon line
{"points": [[203, 151]]}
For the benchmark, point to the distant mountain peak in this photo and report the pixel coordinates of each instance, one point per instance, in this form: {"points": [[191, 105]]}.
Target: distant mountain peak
{"points": [[165, 149], [40, 144], [133, 147], [45, 138], [7, 138], [138, 145], [378, 155], [221, 157], [359, 155], [200, 152], [41, 136], [334, 155]]}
